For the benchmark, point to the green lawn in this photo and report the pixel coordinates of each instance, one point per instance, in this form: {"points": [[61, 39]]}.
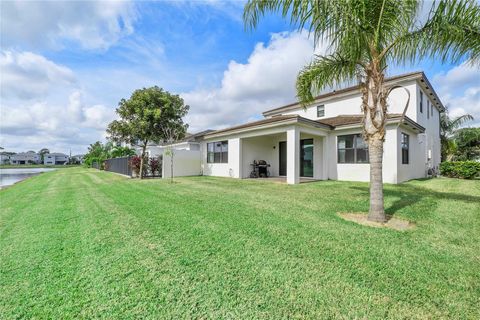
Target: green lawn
{"points": [[80, 243]]}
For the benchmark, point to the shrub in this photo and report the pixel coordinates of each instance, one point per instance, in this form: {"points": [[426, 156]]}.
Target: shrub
{"points": [[154, 166], [460, 169], [135, 165]]}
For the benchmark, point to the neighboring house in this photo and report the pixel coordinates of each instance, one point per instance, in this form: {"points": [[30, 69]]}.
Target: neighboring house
{"points": [[324, 140], [25, 158], [55, 158], [5, 158], [190, 142], [78, 158]]}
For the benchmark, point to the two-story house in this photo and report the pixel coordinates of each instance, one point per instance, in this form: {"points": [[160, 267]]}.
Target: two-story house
{"points": [[55, 158], [324, 140], [29, 157]]}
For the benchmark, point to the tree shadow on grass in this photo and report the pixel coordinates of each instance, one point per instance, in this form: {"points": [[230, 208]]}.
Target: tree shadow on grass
{"points": [[408, 195]]}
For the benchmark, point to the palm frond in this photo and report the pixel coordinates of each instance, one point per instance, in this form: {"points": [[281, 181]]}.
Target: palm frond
{"points": [[459, 121], [451, 33], [324, 71]]}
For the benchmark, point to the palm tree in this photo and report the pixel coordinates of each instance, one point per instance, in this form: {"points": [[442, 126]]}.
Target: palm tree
{"points": [[448, 128], [365, 36]]}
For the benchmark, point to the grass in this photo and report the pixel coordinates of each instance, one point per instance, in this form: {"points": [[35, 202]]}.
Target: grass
{"points": [[80, 243]]}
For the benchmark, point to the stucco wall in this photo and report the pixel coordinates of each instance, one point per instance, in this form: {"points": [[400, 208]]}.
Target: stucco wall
{"points": [[416, 165], [351, 104], [185, 163], [232, 168], [361, 171]]}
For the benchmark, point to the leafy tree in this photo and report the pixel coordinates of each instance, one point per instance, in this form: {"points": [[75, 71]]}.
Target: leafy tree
{"points": [[97, 152], [42, 153], [467, 142], [365, 37], [448, 127], [171, 134], [144, 116], [119, 151]]}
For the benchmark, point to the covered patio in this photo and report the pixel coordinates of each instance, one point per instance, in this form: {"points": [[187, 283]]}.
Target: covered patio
{"points": [[293, 148]]}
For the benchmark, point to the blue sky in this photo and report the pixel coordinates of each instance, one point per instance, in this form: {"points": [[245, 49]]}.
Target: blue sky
{"points": [[65, 66]]}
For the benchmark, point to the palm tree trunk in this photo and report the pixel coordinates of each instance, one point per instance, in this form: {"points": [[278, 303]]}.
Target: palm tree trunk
{"points": [[374, 107], [375, 150]]}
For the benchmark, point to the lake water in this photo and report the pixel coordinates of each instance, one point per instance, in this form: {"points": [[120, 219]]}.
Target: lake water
{"points": [[11, 176]]}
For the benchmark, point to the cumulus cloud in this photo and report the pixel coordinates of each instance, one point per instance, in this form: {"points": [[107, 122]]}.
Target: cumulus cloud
{"points": [[93, 25], [459, 89], [26, 75], [266, 80], [43, 123], [42, 105]]}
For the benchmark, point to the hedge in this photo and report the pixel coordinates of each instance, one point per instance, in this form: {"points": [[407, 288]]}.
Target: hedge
{"points": [[460, 169]]}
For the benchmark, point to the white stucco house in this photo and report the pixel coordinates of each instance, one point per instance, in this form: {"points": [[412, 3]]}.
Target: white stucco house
{"points": [[5, 158], [55, 158], [324, 141], [191, 142], [29, 157]]}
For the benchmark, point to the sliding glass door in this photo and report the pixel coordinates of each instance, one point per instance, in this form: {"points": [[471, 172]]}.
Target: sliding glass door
{"points": [[306, 158]]}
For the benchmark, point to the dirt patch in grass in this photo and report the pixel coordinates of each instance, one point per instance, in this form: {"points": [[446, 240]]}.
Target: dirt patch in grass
{"points": [[392, 222]]}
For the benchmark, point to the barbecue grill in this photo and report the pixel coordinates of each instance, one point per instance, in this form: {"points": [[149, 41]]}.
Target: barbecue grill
{"points": [[259, 169]]}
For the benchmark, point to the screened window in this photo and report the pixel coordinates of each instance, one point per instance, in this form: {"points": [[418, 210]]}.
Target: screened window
{"points": [[352, 149], [321, 111], [217, 152], [405, 147], [421, 101]]}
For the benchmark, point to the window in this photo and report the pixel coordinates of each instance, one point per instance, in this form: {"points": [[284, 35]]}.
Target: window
{"points": [[321, 110], [431, 109], [421, 101], [428, 109], [405, 147], [217, 152], [352, 149]]}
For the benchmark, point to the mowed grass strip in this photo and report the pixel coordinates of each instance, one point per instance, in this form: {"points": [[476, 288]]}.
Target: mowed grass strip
{"points": [[83, 243]]}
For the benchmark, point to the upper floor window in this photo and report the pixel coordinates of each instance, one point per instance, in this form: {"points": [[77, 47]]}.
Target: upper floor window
{"points": [[320, 111], [217, 152], [405, 147], [421, 101], [428, 109], [352, 149]]}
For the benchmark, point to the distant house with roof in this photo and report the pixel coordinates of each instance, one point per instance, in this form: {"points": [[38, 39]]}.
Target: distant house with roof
{"points": [[5, 157], [29, 157], [55, 158]]}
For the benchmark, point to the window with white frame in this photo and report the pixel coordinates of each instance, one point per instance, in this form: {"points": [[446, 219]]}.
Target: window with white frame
{"points": [[405, 147], [352, 149], [217, 152], [320, 111], [421, 101]]}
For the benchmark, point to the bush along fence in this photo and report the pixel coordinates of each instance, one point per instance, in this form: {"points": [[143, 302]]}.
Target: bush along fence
{"points": [[460, 169], [130, 166]]}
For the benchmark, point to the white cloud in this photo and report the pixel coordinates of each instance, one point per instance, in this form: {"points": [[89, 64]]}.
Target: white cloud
{"points": [[42, 105], [59, 127], [459, 89], [26, 75], [93, 25], [266, 81]]}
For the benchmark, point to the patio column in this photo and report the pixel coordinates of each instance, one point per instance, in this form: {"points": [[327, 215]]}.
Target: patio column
{"points": [[235, 157], [293, 156]]}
